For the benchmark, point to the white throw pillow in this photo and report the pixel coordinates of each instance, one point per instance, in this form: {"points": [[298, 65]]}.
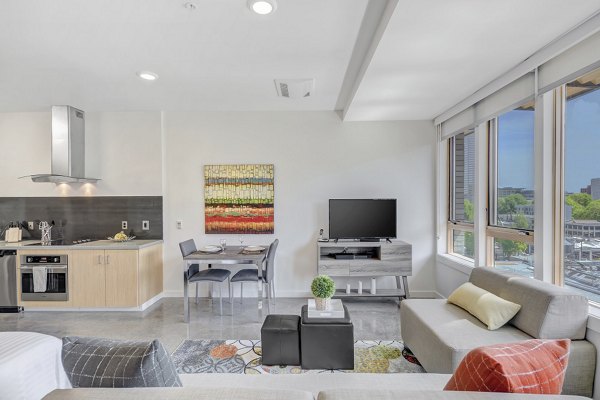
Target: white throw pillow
{"points": [[490, 309]]}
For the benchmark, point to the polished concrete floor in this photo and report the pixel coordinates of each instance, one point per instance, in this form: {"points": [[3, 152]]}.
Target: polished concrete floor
{"points": [[373, 319]]}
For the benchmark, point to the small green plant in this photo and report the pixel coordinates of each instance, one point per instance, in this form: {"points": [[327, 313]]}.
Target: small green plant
{"points": [[323, 287]]}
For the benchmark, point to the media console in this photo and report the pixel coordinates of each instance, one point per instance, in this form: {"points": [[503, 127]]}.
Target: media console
{"points": [[352, 259]]}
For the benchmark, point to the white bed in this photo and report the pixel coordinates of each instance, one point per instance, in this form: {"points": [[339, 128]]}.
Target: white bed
{"points": [[30, 365]]}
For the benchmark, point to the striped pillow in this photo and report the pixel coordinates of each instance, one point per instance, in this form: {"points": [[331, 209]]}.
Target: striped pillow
{"points": [[532, 366]]}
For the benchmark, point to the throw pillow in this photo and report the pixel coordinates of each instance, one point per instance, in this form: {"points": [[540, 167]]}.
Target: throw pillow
{"points": [[490, 309], [103, 363], [532, 366]]}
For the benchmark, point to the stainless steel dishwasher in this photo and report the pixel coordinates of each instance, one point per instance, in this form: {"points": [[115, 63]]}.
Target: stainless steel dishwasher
{"points": [[8, 281]]}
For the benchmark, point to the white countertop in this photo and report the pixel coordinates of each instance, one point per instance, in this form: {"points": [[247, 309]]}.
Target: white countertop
{"points": [[96, 245]]}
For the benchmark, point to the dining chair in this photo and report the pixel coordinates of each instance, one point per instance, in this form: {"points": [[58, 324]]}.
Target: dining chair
{"points": [[206, 275], [251, 275]]}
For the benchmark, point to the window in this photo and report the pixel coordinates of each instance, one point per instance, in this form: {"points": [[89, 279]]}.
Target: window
{"points": [[511, 182], [581, 176], [462, 179], [514, 170], [462, 192], [513, 256]]}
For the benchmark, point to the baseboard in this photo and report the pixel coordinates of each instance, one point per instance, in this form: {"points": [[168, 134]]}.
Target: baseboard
{"points": [[418, 294], [143, 307]]}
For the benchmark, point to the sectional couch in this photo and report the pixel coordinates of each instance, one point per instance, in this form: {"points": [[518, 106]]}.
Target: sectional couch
{"points": [[441, 334]]}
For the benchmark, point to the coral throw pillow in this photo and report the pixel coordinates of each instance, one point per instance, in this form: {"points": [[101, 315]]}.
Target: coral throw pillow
{"points": [[532, 366]]}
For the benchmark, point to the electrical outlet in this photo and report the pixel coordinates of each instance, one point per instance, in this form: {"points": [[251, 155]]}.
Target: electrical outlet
{"points": [[30, 225], [145, 225], [123, 224], [179, 224]]}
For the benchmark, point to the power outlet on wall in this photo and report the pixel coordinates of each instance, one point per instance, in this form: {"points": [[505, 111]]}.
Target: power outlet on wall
{"points": [[179, 224], [30, 225], [123, 224], [145, 225]]}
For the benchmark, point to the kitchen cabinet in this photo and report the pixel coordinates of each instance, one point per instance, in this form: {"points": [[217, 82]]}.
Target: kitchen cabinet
{"points": [[121, 278], [108, 278], [88, 278]]}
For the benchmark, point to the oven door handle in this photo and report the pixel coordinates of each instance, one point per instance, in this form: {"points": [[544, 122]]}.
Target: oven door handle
{"points": [[49, 269]]}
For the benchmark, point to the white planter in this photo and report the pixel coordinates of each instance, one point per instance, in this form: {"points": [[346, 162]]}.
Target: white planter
{"points": [[322, 304]]}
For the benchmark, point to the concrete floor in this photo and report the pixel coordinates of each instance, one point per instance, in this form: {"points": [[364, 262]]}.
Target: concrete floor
{"points": [[373, 319]]}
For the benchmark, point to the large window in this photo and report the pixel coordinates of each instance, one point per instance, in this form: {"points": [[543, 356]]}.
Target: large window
{"points": [[462, 192], [511, 182], [581, 224]]}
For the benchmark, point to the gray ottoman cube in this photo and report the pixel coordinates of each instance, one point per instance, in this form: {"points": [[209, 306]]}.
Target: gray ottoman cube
{"points": [[327, 343], [280, 340]]}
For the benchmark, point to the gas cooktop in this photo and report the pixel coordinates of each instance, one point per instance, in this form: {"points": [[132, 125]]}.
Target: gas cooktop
{"points": [[60, 242]]}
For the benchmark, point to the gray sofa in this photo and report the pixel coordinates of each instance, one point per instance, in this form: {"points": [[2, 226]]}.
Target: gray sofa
{"points": [[441, 334]]}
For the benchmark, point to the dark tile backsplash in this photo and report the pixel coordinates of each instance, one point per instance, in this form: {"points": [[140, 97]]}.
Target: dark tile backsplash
{"points": [[85, 217]]}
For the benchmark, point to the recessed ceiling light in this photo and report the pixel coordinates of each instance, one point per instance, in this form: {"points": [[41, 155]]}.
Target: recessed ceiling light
{"points": [[262, 7], [190, 6], [147, 75]]}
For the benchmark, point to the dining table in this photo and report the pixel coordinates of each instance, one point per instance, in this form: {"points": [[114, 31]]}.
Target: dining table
{"points": [[227, 257]]}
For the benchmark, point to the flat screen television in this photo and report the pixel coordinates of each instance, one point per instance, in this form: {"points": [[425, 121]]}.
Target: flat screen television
{"points": [[362, 219]]}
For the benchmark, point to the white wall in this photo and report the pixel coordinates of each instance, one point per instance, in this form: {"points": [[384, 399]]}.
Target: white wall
{"points": [[123, 149], [316, 157]]}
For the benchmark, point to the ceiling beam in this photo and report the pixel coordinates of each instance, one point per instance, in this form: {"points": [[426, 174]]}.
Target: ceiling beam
{"points": [[375, 21]]}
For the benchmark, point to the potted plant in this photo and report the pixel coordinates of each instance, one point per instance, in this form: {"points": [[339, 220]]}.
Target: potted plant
{"points": [[323, 288]]}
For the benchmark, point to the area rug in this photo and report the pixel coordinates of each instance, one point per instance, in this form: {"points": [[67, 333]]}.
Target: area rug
{"points": [[244, 357]]}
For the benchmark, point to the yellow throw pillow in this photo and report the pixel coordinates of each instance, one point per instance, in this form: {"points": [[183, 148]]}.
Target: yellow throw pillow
{"points": [[490, 309]]}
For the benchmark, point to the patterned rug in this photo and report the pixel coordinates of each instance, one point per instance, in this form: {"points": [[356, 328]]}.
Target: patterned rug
{"points": [[244, 357]]}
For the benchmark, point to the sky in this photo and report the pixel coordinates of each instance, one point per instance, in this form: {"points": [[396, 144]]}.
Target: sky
{"points": [[515, 149], [582, 144], [582, 141]]}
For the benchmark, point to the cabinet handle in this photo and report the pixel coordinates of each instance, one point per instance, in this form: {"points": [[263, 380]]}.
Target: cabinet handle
{"points": [[99, 260], [107, 259]]}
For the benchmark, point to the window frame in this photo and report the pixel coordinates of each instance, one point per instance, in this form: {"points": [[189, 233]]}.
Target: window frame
{"points": [[453, 224]]}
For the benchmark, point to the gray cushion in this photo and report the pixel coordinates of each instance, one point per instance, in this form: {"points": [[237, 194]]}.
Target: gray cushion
{"points": [[245, 275], [441, 334], [195, 393], [547, 311], [381, 394], [95, 362], [211, 274], [490, 279]]}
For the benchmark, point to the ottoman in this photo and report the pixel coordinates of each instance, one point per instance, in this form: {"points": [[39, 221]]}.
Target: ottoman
{"points": [[280, 340], [327, 343]]}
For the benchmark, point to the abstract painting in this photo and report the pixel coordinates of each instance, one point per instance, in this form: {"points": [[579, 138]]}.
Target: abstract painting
{"points": [[239, 199]]}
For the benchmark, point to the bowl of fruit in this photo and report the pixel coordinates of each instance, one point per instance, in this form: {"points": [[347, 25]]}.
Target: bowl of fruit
{"points": [[121, 237]]}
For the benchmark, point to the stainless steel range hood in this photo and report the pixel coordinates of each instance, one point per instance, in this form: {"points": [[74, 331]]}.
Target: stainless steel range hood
{"points": [[68, 148]]}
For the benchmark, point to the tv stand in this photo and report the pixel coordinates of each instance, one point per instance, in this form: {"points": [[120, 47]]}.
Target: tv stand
{"points": [[367, 260]]}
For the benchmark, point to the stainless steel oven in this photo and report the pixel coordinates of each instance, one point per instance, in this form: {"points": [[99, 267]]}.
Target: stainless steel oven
{"points": [[44, 278]]}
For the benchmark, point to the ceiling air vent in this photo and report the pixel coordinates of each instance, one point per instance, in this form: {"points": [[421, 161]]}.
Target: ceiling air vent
{"points": [[295, 88]]}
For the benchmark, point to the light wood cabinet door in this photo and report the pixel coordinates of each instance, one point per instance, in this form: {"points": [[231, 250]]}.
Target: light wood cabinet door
{"points": [[121, 278], [151, 272], [88, 278]]}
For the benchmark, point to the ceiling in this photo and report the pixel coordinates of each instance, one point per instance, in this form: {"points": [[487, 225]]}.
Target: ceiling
{"points": [[221, 56], [434, 53], [429, 56]]}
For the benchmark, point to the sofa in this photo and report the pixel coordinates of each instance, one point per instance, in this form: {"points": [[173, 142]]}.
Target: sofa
{"points": [[440, 334], [278, 394]]}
